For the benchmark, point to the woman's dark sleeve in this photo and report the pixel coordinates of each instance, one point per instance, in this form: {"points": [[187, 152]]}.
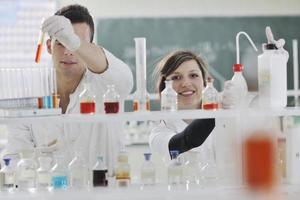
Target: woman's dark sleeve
{"points": [[192, 136]]}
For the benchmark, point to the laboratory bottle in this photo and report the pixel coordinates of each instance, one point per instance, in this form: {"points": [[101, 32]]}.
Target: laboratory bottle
{"points": [[26, 171], [44, 173], [148, 171], [209, 173], [169, 97], [87, 100], [175, 171], [210, 96], [260, 159], [8, 174], [78, 171], [111, 100], [123, 170], [192, 167], [59, 173], [100, 173], [272, 77], [240, 85]]}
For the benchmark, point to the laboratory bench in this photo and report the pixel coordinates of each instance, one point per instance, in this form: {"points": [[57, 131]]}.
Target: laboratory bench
{"points": [[159, 192]]}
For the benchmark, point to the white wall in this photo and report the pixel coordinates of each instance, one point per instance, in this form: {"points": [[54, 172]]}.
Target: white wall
{"points": [[159, 8]]}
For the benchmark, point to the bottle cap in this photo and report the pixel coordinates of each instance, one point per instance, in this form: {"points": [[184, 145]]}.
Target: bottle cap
{"points": [[174, 154], [237, 67], [6, 161], [269, 46], [147, 156]]}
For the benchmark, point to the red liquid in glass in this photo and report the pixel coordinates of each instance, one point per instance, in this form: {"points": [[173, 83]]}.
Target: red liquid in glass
{"points": [[210, 106], [259, 161], [111, 107], [87, 107]]}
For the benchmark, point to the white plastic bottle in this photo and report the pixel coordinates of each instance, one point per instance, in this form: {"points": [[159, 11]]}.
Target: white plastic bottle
{"points": [[272, 77], [240, 85], [169, 97]]}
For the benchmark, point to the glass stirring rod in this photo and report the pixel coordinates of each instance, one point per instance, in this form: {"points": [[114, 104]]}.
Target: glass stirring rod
{"points": [[40, 45]]}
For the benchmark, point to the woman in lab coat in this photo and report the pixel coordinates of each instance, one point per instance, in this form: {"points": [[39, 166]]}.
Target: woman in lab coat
{"points": [[188, 72]]}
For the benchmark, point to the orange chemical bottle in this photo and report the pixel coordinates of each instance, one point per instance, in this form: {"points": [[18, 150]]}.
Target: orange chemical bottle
{"points": [[259, 152]]}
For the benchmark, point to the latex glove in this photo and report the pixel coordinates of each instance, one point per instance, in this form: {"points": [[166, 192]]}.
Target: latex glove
{"points": [[230, 96], [60, 28], [278, 43]]}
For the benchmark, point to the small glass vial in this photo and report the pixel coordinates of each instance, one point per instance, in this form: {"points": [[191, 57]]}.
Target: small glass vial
{"points": [[8, 174], [26, 171], [175, 172], [148, 171], [78, 171], [44, 173], [123, 170], [87, 100], [210, 96], [59, 173], [111, 100], [169, 97], [100, 173]]}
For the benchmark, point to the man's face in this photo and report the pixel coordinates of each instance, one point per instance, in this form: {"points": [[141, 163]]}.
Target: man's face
{"points": [[65, 61]]}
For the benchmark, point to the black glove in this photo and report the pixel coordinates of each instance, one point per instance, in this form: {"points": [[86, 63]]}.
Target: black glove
{"points": [[192, 136]]}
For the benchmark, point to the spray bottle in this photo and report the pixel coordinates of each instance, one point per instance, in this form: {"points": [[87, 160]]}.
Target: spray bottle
{"points": [[272, 73]]}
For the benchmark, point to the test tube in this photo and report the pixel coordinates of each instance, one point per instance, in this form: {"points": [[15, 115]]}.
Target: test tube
{"points": [[40, 45]]}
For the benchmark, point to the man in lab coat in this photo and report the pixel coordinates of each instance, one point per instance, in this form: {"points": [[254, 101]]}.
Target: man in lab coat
{"points": [[77, 61]]}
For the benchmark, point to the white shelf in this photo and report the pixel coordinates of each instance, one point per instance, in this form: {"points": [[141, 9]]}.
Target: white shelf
{"points": [[154, 115]]}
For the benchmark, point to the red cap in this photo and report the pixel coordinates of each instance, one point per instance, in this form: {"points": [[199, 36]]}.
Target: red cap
{"points": [[237, 67]]}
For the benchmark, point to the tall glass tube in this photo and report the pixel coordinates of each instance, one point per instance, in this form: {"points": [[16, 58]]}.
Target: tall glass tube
{"points": [[141, 101]]}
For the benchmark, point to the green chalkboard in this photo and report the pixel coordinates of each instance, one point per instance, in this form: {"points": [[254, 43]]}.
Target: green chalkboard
{"points": [[211, 37]]}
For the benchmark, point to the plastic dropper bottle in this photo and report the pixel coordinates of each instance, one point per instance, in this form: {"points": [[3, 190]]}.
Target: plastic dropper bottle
{"points": [[148, 171], [240, 84], [169, 97], [210, 96], [238, 79]]}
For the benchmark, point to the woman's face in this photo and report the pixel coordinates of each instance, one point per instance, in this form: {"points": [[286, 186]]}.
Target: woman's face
{"points": [[188, 83]]}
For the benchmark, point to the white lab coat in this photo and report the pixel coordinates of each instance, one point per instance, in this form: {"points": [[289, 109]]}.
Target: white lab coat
{"points": [[164, 131], [90, 138]]}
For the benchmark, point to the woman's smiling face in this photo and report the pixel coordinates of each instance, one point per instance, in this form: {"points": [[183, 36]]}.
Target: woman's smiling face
{"points": [[188, 83]]}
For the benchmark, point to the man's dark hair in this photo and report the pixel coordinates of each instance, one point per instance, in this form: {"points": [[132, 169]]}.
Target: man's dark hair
{"points": [[78, 14]]}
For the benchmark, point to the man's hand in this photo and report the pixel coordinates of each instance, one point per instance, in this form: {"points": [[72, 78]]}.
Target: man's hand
{"points": [[60, 28]]}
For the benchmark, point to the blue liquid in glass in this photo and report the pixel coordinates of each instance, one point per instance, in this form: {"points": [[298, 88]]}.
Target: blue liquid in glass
{"points": [[59, 182]]}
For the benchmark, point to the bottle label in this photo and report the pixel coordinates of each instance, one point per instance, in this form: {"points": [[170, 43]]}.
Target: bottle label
{"points": [[27, 174], [44, 179], [9, 178]]}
